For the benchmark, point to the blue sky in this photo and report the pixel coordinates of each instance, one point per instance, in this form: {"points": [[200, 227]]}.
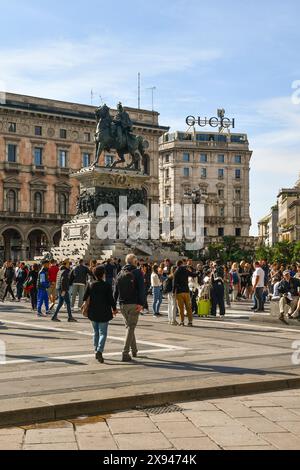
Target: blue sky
{"points": [[199, 55]]}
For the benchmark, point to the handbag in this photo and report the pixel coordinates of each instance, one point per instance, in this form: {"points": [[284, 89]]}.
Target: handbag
{"points": [[28, 284], [85, 308]]}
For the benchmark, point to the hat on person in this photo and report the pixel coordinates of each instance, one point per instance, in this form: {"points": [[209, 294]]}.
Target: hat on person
{"points": [[286, 272]]}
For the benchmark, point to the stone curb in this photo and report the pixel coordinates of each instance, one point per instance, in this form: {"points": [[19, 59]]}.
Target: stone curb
{"points": [[275, 321], [73, 409]]}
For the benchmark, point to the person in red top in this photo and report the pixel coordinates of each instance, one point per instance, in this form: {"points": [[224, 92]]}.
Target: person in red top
{"points": [[52, 274]]}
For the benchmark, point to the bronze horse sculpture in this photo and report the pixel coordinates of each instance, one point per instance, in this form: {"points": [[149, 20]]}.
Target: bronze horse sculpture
{"points": [[116, 134]]}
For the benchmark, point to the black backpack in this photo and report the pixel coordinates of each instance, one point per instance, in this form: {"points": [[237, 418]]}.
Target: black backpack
{"points": [[168, 286], [220, 272], [126, 285]]}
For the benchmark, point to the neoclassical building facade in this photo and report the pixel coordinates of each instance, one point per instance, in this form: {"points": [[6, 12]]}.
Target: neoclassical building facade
{"points": [[282, 224], [289, 213], [41, 143], [219, 165]]}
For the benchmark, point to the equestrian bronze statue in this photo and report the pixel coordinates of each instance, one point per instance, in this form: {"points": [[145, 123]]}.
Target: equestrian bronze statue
{"points": [[116, 134]]}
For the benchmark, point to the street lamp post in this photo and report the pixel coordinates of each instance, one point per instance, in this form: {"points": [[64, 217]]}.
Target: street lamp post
{"points": [[195, 195]]}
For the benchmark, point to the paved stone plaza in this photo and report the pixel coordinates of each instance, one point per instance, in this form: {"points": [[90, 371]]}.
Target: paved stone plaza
{"points": [[256, 422], [51, 375]]}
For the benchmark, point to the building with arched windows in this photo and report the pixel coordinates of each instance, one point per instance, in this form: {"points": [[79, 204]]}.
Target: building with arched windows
{"points": [[42, 142]]}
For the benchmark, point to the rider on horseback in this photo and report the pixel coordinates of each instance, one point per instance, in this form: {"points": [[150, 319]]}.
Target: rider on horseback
{"points": [[116, 134], [123, 126]]}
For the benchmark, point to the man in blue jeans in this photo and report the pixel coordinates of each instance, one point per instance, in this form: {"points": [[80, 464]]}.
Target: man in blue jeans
{"points": [[258, 283], [43, 285], [63, 286]]}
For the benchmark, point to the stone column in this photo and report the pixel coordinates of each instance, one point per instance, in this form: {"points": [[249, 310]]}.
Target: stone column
{"points": [[23, 252]]}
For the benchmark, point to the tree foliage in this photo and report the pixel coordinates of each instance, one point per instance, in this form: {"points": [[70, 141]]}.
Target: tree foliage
{"points": [[230, 250], [282, 252]]}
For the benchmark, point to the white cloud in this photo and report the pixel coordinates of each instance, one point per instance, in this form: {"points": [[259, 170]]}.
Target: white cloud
{"points": [[278, 150], [67, 70], [279, 161]]}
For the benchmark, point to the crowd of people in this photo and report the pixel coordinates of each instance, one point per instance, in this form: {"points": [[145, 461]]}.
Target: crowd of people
{"points": [[190, 289]]}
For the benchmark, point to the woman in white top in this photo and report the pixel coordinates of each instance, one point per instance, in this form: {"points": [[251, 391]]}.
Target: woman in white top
{"points": [[172, 304], [194, 293], [156, 285]]}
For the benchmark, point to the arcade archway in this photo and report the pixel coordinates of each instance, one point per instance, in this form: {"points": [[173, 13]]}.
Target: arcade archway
{"points": [[38, 243], [57, 238], [11, 247]]}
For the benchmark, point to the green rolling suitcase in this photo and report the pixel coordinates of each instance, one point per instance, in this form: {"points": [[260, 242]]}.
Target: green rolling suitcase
{"points": [[204, 307]]}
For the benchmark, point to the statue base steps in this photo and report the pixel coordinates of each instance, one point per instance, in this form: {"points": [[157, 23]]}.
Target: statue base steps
{"points": [[106, 186]]}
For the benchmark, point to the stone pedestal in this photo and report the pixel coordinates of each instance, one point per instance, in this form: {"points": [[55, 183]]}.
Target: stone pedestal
{"points": [[105, 186]]}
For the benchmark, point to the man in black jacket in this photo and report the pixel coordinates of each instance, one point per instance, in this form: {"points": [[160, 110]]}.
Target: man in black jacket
{"points": [[130, 292], [21, 276], [217, 290], [288, 289], [110, 271], [9, 276], [100, 293], [78, 280], [63, 286], [182, 291]]}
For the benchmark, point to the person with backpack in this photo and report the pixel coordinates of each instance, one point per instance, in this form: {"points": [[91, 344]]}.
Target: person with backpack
{"points": [[78, 280], [168, 290], [130, 292], [63, 286], [101, 309], [43, 285]]}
